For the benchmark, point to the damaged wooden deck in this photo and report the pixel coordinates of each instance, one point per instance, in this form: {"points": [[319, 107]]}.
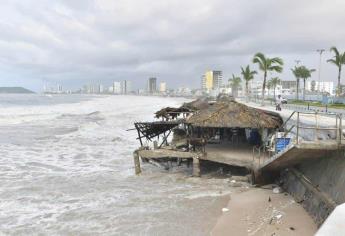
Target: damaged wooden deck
{"points": [[239, 154], [166, 153]]}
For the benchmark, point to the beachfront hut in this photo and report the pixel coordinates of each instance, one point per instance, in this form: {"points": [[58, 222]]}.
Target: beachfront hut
{"points": [[172, 113], [230, 130]]}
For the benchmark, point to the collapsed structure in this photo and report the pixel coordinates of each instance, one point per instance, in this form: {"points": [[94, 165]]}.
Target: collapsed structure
{"points": [[222, 131], [307, 157]]}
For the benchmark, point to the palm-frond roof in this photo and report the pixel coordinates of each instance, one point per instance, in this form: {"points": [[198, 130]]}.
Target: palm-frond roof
{"points": [[231, 114]]}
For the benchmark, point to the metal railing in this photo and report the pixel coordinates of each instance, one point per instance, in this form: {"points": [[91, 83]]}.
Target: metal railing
{"points": [[293, 123]]}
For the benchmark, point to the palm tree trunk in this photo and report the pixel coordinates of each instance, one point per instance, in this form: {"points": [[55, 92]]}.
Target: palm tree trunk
{"points": [[263, 89], [303, 89], [274, 92], [297, 89], [247, 91], [339, 75]]}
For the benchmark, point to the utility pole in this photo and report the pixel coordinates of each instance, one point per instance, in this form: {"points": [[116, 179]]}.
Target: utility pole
{"points": [[320, 51]]}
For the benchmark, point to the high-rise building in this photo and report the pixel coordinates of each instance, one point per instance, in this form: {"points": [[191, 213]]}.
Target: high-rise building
{"points": [[162, 87], [126, 87], [117, 87], [211, 80], [100, 88], [111, 89], [152, 85], [59, 88]]}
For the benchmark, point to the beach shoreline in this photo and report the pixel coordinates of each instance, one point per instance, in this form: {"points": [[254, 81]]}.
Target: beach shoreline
{"points": [[259, 211]]}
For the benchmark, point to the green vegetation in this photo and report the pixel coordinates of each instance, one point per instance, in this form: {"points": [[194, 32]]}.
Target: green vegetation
{"points": [[305, 74], [275, 64], [267, 64], [248, 75], [235, 83], [338, 60], [274, 82], [301, 72], [317, 104], [297, 75]]}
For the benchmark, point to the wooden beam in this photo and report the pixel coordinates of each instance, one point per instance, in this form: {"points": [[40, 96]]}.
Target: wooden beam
{"points": [[136, 126], [165, 139]]}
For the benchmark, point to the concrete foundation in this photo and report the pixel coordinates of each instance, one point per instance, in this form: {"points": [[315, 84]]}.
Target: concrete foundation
{"points": [[136, 162]]}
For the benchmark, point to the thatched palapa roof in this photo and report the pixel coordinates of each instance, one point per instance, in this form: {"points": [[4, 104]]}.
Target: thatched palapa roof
{"points": [[171, 112], [196, 104], [153, 129], [231, 114], [189, 107]]}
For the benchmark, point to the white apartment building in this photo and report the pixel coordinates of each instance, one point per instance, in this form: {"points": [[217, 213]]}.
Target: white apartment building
{"points": [[117, 87], [255, 88], [126, 87], [323, 86]]}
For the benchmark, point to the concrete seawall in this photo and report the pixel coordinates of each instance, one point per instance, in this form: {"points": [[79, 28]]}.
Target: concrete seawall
{"points": [[318, 185]]}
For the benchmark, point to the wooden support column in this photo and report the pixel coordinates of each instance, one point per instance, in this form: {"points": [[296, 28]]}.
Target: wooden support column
{"points": [[196, 167], [139, 136], [136, 162]]}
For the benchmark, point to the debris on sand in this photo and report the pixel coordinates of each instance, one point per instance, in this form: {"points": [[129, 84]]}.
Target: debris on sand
{"points": [[225, 209], [277, 190]]}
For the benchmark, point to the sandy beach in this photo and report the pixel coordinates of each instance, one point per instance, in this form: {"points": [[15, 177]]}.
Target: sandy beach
{"points": [[259, 211]]}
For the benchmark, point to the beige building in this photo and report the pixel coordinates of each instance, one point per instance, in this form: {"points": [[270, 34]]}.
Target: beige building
{"points": [[211, 80], [162, 87]]}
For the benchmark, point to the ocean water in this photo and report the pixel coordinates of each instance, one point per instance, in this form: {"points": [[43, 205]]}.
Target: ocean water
{"points": [[66, 168]]}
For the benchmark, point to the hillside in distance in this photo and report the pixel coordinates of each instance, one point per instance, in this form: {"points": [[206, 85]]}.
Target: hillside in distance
{"points": [[15, 90]]}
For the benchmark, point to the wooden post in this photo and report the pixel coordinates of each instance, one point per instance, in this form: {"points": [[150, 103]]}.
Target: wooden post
{"points": [[170, 164], [136, 162], [139, 136], [196, 167]]}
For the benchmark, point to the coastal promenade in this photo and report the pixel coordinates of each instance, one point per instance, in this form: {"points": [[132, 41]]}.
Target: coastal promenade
{"points": [[286, 111], [316, 135]]}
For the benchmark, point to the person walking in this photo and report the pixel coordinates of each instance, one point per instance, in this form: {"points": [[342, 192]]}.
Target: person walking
{"points": [[279, 102]]}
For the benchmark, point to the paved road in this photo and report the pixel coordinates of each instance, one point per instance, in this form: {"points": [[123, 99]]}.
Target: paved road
{"points": [[323, 120], [305, 108]]}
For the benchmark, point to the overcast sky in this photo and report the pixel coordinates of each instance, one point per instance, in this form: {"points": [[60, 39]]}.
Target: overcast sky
{"points": [[74, 42]]}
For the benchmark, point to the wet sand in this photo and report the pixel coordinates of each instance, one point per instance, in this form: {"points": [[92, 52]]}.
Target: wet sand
{"points": [[251, 213]]}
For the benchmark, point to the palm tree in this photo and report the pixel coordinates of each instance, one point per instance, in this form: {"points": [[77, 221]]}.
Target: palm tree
{"points": [[268, 86], [274, 82], [235, 83], [305, 73], [338, 60], [296, 72], [248, 75], [266, 64]]}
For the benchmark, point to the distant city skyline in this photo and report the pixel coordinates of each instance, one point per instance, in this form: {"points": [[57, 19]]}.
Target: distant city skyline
{"points": [[73, 43]]}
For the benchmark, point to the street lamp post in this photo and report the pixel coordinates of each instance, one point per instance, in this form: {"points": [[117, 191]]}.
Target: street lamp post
{"points": [[320, 51]]}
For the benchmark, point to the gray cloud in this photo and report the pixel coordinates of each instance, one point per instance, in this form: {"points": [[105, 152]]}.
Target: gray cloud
{"points": [[81, 41]]}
